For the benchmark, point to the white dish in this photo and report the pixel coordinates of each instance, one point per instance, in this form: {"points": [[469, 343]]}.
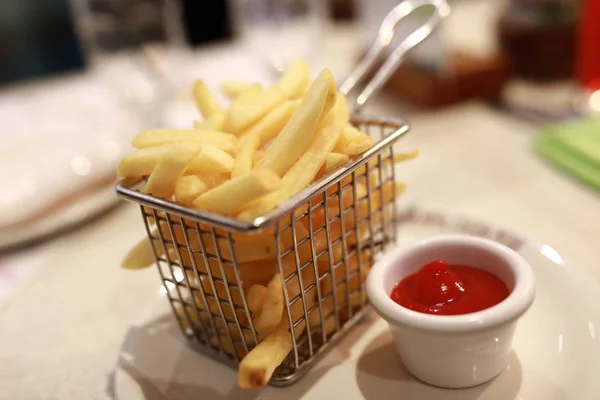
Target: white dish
{"points": [[556, 354], [453, 351]]}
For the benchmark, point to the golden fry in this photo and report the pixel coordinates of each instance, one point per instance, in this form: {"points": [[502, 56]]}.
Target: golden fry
{"points": [[141, 162], [243, 161], [233, 195], [161, 182], [295, 80], [296, 136], [245, 111], [272, 123], [206, 102], [352, 141], [332, 162], [141, 255], [157, 137], [210, 159], [187, 188], [270, 316], [213, 123], [233, 89]]}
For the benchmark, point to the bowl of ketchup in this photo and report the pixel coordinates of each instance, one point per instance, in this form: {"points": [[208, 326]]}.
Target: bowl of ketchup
{"points": [[452, 304]]}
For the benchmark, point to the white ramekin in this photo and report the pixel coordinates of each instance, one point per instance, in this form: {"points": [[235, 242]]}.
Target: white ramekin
{"points": [[453, 351]]}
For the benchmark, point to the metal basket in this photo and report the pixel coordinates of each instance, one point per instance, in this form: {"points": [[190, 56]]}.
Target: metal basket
{"points": [[346, 240], [321, 241]]}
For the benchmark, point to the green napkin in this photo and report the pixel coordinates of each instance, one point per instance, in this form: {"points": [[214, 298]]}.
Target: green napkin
{"points": [[573, 146]]}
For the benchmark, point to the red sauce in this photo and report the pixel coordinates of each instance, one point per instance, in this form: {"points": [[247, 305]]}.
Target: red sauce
{"points": [[442, 289]]}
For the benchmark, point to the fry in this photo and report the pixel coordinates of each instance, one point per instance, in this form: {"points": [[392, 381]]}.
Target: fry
{"points": [[296, 136], [304, 171], [161, 182], [332, 162], [187, 188], [233, 89], [214, 122], [141, 255], [251, 91], [256, 297], [157, 137], [243, 161], [233, 195], [246, 111], [272, 123], [258, 366], [258, 156], [270, 316], [206, 102], [295, 79], [210, 159], [352, 141], [141, 162], [213, 180]]}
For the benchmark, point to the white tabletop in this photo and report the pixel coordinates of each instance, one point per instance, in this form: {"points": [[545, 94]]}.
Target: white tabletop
{"points": [[60, 331]]}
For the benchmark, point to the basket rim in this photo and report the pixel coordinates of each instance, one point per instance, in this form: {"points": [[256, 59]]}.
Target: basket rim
{"points": [[126, 187]]}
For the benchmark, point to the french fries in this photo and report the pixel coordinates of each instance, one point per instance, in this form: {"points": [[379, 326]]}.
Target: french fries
{"points": [[187, 188], [210, 159], [242, 161], [233, 89], [206, 102], [296, 136], [233, 195], [189, 137], [141, 255], [246, 110], [162, 180], [352, 141]]}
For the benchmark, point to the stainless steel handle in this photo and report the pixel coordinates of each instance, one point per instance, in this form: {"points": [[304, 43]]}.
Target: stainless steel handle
{"points": [[383, 40]]}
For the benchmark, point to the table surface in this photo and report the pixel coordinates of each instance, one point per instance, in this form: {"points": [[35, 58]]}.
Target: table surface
{"points": [[61, 330]]}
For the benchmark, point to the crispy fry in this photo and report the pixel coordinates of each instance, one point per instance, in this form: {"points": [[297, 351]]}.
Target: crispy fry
{"points": [[296, 136], [304, 171], [258, 366], [206, 102], [256, 296], [161, 182], [157, 137], [243, 161], [272, 123], [187, 188], [352, 141], [213, 180], [141, 255], [214, 122], [210, 159], [332, 162], [233, 195], [270, 316], [141, 162], [233, 89], [295, 80], [245, 111], [258, 156], [251, 91]]}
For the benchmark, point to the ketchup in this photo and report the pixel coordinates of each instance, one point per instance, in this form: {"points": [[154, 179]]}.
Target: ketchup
{"points": [[439, 288]]}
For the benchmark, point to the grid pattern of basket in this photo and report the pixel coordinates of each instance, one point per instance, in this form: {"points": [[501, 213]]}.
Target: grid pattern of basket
{"points": [[319, 253]]}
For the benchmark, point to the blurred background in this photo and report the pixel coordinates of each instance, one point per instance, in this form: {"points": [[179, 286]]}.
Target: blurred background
{"points": [[78, 78]]}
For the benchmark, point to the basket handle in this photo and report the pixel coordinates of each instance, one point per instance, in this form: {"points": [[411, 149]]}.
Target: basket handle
{"points": [[383, 40]]}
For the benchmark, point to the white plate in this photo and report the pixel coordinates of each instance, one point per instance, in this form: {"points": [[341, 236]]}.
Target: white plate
{"points": [[556, 355]]}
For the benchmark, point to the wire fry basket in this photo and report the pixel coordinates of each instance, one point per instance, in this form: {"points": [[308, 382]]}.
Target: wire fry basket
{"points": [[317, 247]]}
